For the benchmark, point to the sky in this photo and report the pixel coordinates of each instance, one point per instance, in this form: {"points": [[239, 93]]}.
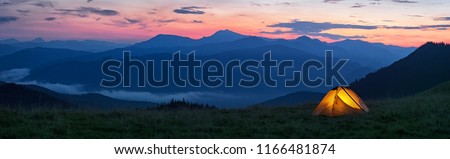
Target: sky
{"points": [[394, 22]]}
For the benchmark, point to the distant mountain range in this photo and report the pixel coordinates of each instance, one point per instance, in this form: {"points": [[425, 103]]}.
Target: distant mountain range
{"points": [[75, 62], [82, 45], [36, 97], [421, 70]]}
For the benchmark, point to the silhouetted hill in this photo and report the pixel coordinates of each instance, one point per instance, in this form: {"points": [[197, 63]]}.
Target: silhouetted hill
{"points": [[421, 70], [18, 96], [92, 100], [373, 54], [32, 97], [293, 99], [34, 57], [9, 41], [7, 49], [440, 89]]}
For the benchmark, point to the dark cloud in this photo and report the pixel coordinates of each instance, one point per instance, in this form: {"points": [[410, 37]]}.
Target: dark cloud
{"points": [[89, 1], [190, 10], [7, 19], [442, 19], [50, 19], [337, 37], [23, 12], [197, 21], [43, 4], [276, 32], [85, 11], [132, 21], [303, 27], [166, 20], [12, 2], [439, 27], [401, 27], [404, 1], [436, 26], [326, 35], [358, 5], [332, 1], [317, 29]]}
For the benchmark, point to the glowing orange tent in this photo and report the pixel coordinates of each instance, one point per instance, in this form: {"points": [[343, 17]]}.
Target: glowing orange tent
{"points": [[340, 101]]}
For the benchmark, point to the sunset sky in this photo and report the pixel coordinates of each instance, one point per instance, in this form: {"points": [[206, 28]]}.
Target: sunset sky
{"points": [[397, 22]]}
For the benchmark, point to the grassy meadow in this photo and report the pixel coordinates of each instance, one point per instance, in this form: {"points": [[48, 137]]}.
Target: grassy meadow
{"points": [[425, 115]]}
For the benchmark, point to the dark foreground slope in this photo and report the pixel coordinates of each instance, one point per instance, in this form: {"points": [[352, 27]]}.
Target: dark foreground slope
{"points": [[424, 115], [424, 68]]}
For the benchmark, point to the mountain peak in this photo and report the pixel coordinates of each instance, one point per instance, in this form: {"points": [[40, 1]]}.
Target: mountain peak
{"points": [[222, 36], [38, 40], [225, 32], [304, 37]]}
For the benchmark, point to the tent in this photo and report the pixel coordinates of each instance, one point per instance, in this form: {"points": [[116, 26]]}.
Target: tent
{"points": [[340, 101]]}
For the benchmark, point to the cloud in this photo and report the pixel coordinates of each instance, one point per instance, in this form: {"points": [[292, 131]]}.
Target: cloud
{"points": [[167, 20], [404, 1], [58, 87], [358, 5], [132, 21], [439, 27], [442, 19], [89, 1], [401, 27], [50, 19], [259, 4], [14, 74], [414, 15], [285, 3], [276, 32], [85, 11], [337, 37], [197, 21], [332, 1], [23, 12], [43, 4], [190, 10], [267, 4], [126, 22], [7, 19], [306, 27], [317, 29], [12, 2]]}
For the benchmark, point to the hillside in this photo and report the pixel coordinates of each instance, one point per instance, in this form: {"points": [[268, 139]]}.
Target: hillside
{"points": [[424, 115], [424, 68], [36, 97], [17, 96], [293, 99]]}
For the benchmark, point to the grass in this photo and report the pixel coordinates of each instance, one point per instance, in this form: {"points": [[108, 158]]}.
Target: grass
{"points": [[426, 115]]}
